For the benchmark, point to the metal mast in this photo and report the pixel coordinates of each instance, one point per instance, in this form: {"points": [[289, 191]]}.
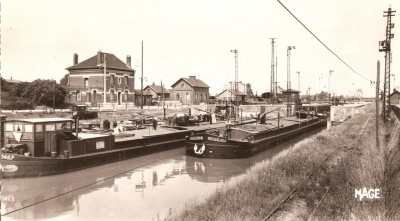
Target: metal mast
{"points": [[273, 86], [384, 46], [236, 72], [329, 84]]}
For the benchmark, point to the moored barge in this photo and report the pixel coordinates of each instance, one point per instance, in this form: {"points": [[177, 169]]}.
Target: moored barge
{"points": [[46, 146], [240, 141]]}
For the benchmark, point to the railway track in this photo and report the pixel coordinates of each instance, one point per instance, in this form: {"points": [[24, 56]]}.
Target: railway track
{"points": [[314, 170]]}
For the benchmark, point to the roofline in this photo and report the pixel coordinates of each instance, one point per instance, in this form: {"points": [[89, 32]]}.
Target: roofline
{"points": [[188, 83]]}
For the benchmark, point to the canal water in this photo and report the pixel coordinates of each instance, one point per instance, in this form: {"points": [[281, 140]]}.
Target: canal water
{"points": [[143, 188]]}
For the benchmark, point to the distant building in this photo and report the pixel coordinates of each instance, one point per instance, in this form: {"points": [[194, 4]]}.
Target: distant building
{"points": [[147, 98], [190, 91], [8, 84], [86, 80], [230, 95], [395, 97], [242, 87], [157, 92], [291, 96]]}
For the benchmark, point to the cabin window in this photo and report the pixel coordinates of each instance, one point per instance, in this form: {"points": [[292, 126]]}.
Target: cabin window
{"points": [[61, 126], [99, 145], [9, 127], [39, 127], [50, 127], [28, 128], [18, 127]]}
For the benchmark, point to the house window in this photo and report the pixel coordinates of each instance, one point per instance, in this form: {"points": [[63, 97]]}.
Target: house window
{"points": [[119, 80], [78, 96], [111, 78], [205, 97], [197, 97], [182, 85], [178, 96], [126, 80], [86, 82], [126, 96], [201, 97], [111, 95], [187, 96]]}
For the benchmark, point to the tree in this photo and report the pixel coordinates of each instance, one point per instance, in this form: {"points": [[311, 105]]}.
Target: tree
{"points": [[43, 92], [18, 89], [64, 80]]}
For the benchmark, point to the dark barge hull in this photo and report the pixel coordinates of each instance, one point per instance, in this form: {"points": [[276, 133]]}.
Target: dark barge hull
{"points": [[14, 165], [208, 147]]}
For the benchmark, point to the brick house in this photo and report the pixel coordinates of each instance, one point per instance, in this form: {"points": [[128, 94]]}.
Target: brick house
{"points": [[157, 92], [190, 91], [395, 97], [86, 80]]}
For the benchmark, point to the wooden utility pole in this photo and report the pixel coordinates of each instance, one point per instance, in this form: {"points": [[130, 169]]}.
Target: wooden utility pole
{"points": [[141, 83], [377, 103]]}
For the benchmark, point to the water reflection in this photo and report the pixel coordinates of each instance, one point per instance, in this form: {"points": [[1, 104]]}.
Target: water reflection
{"points": [[140, 194]]}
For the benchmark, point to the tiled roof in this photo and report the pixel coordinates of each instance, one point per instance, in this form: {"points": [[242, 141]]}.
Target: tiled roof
{"points": [[158, 89], [194, 82], [112, 62], [138, 91]]}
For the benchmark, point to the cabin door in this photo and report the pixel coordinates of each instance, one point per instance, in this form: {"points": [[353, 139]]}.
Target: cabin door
{"points": [[50, 142]]}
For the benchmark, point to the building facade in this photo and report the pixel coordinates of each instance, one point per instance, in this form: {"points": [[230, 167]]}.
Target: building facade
{"points": [[395, 97], [190, 91], [157, 92], [86, 80]]}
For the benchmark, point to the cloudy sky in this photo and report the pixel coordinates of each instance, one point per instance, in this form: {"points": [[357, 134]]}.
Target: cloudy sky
{"points": [[186, 37]]}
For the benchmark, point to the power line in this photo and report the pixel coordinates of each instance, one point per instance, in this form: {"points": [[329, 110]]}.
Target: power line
{"points": [[337, 56]]}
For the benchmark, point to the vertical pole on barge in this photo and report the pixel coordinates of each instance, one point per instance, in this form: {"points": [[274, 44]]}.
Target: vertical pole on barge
{"points": [[378, 65]]}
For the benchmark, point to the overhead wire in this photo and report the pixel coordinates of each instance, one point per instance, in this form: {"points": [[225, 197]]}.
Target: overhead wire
{"points": [[337, 56]]}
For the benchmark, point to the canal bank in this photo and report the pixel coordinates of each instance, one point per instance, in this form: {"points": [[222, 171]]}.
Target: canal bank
{"points": [[347, 159]]}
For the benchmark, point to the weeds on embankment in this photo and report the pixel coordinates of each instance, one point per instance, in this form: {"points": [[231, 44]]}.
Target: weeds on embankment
{"points": [[357, 163]]}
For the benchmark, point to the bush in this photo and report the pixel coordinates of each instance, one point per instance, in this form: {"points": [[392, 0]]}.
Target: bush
{"points": [[19, 104]]}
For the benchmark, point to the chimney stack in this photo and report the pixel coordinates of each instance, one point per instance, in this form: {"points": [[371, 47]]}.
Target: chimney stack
{"points": [[99, 58], [193, 77], [128, 60], [75, 58]]}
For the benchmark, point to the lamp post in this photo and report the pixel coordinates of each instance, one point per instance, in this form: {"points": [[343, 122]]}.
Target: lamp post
{"points": [[288, 86]]}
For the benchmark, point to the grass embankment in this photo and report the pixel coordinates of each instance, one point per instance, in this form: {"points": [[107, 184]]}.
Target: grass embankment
{"points": [[357, 163]]}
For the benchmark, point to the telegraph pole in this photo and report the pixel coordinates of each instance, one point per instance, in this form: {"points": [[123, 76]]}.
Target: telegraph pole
{"points": [[141, 83], [273, 88], [385, 46], [329, 85]]}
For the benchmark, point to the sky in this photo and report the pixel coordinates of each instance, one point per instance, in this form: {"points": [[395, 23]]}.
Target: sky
{"points": [[186, 37]]}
